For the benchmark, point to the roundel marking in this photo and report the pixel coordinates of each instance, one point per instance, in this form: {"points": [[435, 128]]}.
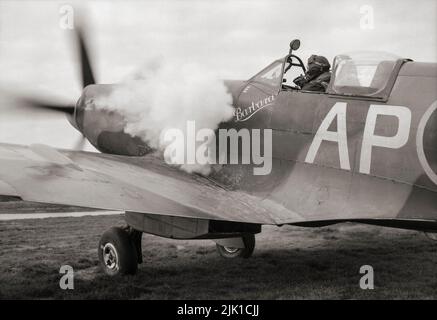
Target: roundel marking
{"points": [[419, 143]]}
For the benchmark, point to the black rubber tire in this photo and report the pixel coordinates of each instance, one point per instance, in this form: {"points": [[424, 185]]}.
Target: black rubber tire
{"points": [[126, 256], [246, 252]]}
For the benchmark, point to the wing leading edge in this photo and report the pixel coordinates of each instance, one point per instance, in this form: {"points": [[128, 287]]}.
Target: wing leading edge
{"points": [[140, 184]]}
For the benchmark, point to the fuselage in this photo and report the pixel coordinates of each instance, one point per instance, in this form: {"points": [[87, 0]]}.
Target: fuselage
{"points": [[348, 157], [334, 156]]}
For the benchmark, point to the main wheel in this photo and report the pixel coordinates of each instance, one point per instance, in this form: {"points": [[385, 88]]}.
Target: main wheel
{"points": [[246, 252], [117, 253]]}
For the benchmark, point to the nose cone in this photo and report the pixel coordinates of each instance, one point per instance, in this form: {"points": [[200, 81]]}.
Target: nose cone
{"points": [[103, 124], [91, 96], [95, 93]]}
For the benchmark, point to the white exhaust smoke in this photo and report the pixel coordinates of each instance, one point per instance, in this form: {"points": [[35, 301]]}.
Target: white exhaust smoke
{"points": [[165, 96]]}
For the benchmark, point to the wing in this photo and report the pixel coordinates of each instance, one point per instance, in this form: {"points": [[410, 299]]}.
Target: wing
{"points": [[140, 184]]}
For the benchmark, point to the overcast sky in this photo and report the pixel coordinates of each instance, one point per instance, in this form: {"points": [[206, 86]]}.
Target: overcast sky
{"points": [[234, 38]]}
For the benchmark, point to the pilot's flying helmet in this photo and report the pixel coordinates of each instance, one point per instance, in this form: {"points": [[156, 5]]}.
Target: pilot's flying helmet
{"points": [[318, 63]]}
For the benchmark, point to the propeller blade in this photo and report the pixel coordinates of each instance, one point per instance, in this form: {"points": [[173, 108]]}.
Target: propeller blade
{"points": [[87, 79], [35, 103], [87, 71], [66, 109]]}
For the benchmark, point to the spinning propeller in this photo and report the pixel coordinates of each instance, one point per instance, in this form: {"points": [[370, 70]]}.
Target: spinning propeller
{"points": [[88, 78]]}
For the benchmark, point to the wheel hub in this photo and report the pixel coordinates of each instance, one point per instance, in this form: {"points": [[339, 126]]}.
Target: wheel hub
{"points": [[110, 256], [231, 250]]}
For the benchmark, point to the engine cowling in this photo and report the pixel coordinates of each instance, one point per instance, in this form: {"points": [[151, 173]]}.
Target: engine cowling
{"points": [[104, 128]]}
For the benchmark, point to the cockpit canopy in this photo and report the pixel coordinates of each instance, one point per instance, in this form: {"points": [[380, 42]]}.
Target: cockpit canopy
{"points": [[363, 73], [366, 74]]}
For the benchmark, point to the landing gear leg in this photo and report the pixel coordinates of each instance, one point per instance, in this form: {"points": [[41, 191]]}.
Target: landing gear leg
{"points": [[136, 237]]}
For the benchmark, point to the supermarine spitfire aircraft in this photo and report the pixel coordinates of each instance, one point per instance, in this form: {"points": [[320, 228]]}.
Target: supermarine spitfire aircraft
{"points": [[363, 151]]}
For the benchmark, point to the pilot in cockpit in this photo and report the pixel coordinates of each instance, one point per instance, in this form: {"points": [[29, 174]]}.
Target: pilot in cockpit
{"points": [[317, 75]]}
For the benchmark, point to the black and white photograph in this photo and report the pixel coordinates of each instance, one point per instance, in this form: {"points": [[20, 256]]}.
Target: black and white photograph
{"points": [[236, 151]]}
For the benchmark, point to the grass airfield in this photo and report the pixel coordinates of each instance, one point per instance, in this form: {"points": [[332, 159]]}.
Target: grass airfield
{"points": [[288, 263]]}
